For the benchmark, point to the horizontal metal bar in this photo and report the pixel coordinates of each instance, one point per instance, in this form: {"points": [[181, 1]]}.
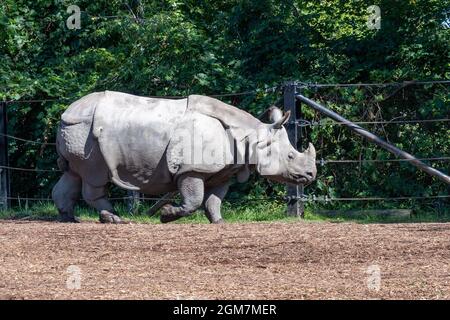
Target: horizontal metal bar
{"points": [[305, 123], [304, 198], [26, 140], [323, 161], [29, 169], [380, 84]]}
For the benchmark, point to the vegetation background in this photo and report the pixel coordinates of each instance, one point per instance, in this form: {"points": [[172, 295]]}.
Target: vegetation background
{"points": [[170, 47]]}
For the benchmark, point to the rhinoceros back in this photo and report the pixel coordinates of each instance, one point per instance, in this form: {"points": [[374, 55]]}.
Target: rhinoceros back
{"points": [[82, 110]]}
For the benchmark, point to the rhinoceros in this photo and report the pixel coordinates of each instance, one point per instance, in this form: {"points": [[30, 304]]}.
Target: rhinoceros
{"points": [[193, 145]]}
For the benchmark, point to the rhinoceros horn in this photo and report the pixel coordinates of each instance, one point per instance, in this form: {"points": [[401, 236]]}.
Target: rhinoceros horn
{"points": [[311, 151]]}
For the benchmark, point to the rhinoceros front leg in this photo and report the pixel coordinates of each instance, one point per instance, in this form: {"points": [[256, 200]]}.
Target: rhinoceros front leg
{"points": [[213, 202], [192, 190]]}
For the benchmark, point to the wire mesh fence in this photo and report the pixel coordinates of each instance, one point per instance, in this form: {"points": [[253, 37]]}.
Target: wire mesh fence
{"points": [[312, 198]]}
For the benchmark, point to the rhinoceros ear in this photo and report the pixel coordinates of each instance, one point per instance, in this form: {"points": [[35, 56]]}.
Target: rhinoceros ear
{"points": [[275, 114], [281, 121]]}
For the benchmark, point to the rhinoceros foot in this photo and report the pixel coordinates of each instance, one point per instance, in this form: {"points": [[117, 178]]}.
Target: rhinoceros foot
{"points": [[168, 214], [165, 218], [108, 217], [66, 217]]}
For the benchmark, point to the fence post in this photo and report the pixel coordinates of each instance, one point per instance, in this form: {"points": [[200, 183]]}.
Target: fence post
{"points": [[294, 193], [4, 176], [133, 201]]}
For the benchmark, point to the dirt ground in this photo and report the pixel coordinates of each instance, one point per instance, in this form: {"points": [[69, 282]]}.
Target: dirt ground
{"points": [[304, 260]]}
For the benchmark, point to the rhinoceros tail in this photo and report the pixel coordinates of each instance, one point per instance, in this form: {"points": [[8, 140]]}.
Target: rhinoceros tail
{"points": [[125, 185], [62, 162]]}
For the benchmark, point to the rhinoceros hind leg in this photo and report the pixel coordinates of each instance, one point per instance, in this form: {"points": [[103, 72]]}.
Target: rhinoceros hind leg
{"points": [[192, 191], [96, 198], [65, 194], [213, 202], [66, 217]]}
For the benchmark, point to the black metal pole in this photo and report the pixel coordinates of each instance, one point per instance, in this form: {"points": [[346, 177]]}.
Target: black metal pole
{"points": [[133, 201], [294, 193], [4, 176], [299, 147], [375, 139]]}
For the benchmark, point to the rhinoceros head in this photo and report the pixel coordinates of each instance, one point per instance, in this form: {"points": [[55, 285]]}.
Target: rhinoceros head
{"points": [[277, 159]]}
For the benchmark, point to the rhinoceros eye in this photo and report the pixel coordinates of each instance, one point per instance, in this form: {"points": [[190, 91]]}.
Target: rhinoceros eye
{"points": [[291, 155]]}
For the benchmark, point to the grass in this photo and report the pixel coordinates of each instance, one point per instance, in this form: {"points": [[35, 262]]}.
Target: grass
{"points": [[246, 212], [47, 211]]}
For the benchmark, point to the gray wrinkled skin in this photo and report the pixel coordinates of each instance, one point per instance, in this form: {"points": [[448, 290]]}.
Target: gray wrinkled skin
{"points": [[194, 145]]}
